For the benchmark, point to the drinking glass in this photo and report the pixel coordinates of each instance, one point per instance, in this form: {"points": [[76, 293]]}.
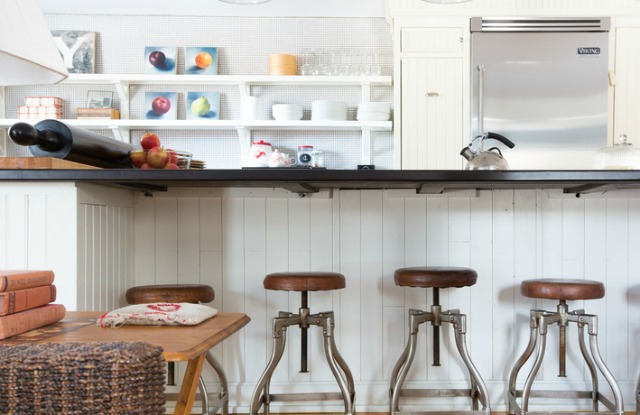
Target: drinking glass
{"points": [[307, 62], [376, 69]]}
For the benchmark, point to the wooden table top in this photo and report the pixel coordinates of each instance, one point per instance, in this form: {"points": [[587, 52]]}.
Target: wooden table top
{"points": [[179, 343]]}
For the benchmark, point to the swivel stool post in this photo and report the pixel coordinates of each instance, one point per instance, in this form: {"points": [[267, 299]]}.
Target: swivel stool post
{"points": [[436, 278], [187, 293], [562, 290], [304, 282]]}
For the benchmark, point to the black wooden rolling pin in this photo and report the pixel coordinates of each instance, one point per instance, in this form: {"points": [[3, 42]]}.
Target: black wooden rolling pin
{"points": [[52, 138]]}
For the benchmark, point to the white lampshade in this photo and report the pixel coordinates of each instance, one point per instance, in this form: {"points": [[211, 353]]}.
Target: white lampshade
{"points": [[245, 1], [28, 54]]}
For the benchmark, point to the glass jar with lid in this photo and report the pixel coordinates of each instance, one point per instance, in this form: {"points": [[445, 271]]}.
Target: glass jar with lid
{"points": [[621, 156]]}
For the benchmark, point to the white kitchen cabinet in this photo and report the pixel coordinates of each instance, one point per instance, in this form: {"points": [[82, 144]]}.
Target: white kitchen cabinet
{"points": [[123, 84], [625, 80], [431, 61]]}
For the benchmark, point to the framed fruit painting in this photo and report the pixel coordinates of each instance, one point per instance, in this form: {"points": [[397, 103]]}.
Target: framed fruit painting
{"points": [[203, 106], [160, 105], [201, 61], [160, 60]]}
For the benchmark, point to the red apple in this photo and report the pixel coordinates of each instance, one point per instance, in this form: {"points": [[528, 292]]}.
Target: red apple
{"points": [[160, 105], [158, 157], [149, 141], [138, 157], [171, 166], [146, 166]]}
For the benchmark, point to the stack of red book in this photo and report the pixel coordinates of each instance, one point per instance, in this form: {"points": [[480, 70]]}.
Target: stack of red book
{"points": [[26, 301]]}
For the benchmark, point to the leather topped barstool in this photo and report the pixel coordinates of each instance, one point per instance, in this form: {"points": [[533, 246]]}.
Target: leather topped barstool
{"points": [[186, 293], [304, 282], [562, 290], [437, 278]]}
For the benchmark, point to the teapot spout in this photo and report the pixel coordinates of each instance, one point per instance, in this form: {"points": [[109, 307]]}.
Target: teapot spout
{"points": [[467, 153]]}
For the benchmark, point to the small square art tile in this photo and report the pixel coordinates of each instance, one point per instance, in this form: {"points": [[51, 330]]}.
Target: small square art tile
{"points": [[201, 61], [160, 60], [203, 106], [160, 105]]}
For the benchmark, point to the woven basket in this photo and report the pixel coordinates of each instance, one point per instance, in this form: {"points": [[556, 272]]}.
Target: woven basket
{"points": [[82, 378]]}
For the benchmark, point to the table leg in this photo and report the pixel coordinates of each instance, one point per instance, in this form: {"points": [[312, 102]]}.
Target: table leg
{"points": [[189, 386]]}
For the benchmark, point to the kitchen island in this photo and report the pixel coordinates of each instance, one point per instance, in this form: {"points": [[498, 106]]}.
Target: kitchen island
{"points": [[103, 231]]}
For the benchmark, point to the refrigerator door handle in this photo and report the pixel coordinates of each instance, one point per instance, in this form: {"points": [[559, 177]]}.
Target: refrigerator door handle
{"points": [[481, 70]]}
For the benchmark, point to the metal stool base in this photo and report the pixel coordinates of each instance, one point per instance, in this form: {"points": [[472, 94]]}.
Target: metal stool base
{"points": [[262, 396], [477, 392], [539, 322]]}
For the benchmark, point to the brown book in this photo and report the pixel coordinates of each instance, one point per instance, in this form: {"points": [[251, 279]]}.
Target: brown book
{"points": [[30, 319], [20, 300], [12, 280]]}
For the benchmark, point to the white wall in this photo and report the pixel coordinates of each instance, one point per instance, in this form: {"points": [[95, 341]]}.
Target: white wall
{"points": [[307, 8]]}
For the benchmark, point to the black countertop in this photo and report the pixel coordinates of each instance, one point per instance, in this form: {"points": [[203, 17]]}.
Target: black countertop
{"points": [[311, 180]]}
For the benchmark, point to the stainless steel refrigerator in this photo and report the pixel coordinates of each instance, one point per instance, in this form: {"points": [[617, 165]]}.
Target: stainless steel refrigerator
{"points": [[542, 83]]}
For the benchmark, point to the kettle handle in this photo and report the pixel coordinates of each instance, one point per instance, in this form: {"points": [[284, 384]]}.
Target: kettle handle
{"points": [[504, 140]]}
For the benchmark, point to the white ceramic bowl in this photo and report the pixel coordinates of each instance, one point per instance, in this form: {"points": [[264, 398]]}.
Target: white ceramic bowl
{"points": [[329, 110], [286, 112]]}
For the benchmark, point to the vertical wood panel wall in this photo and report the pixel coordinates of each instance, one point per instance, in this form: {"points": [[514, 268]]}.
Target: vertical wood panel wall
{"points": [[232, 238]]}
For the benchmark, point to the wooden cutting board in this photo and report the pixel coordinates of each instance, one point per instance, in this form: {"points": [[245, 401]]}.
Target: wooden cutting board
{"points": [[50, 163]]}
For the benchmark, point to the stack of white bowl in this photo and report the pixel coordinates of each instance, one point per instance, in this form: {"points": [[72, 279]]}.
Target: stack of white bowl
{"points": [[374, 111], [325, 110], [286, 112]]}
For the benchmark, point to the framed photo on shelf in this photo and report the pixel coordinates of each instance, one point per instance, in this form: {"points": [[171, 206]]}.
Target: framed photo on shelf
{"points": [[160, 60], [201, 61], [160, 105], [99, 99], [203, 106]]}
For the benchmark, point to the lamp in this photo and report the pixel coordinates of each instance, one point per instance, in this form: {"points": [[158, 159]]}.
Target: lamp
{"points": [[28, 54], [245, 1]]}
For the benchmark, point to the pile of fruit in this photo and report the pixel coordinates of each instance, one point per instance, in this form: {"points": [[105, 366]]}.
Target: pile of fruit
{"points": [[153, 155]]}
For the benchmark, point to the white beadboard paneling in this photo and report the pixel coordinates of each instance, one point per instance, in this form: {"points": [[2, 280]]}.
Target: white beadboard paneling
{"points": [[503, 267], [372, 350], [144, 250], [617, 286], [351, 298], [480, 321], [188, 240], [166, 240]]}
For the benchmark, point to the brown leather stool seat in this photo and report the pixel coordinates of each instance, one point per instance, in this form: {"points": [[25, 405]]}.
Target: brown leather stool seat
{"points": [[170, 293], [304, 282], [195, 294], [562, 290], [437, 278]]}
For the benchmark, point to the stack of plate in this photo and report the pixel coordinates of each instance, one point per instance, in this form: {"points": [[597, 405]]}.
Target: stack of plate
{"points": [[282, 64], [324, 110], [374, 111]]}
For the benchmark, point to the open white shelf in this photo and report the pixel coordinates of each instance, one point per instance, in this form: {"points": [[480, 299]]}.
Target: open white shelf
{"points": [[122, 84]]}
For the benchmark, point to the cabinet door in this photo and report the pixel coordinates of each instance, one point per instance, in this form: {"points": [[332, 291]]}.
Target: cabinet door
{"points": [[432, 113], [627, 85]]}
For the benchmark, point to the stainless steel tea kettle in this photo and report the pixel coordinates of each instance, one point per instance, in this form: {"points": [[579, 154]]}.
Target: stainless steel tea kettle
{"points": [[480, 159], [477, 157]]}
